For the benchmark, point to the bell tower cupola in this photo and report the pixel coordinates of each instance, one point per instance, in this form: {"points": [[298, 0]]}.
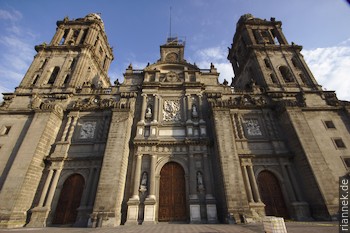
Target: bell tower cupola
{"points": [[78, 54], [261, 54]]}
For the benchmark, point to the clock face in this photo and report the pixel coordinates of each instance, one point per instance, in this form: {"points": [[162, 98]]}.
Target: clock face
{"points": [[172, 57], [87, 130]]}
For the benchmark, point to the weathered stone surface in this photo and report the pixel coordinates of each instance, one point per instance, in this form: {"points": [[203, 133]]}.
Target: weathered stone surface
{"points": [[170, 142]]}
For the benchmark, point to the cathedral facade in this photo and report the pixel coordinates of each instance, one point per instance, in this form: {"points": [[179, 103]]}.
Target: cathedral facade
{"points": [[170, 143]]}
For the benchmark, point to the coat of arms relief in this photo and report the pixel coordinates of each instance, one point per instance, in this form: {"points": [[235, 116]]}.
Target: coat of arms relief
{"points": [[171, 110]]}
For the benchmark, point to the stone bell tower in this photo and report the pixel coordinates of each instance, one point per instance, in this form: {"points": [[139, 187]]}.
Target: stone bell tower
{"points": [[78, 55], [260, 54]]}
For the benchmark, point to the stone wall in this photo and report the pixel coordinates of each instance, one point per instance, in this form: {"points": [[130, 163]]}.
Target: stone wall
{"points": [[110, 191], [25, 174]]}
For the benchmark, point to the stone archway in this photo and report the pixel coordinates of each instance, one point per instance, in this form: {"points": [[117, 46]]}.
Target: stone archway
{"points": [[172, 193], [271, 195], [69, 200]]}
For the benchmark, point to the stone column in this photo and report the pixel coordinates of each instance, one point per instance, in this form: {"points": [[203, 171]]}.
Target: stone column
{"points": [[152, 186], [68, 37], [247, 184], [71, 130], [40, 213], [254, 185], [156, 108], [79, 72], [53, 188], [144, 106], [240, 122], [160, 109], [90, 37], [189, 107], [45, 189], [150, 208], [58, 36], [184, 107], [81, 32], [64, 135], [134, 201], [135, 195]]}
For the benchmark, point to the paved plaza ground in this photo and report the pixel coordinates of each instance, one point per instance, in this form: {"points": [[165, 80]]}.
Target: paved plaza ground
{"points": [[292, 227]]}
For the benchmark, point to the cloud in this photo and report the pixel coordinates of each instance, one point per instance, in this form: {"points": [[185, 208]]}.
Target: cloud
{"points": [[214, 53], [16, 44], [330, 67], [217, 56], [12, 16]]}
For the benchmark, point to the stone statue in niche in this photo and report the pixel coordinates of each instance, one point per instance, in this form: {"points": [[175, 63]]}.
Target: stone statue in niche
{"points": [[194, 111], [200, 184], [171, 110], [253, 127], [143, 185], [149, 112]]}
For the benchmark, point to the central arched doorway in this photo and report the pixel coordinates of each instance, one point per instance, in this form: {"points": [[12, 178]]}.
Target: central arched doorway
{"points": [[271, 195], [172, 193], [69, 201]]}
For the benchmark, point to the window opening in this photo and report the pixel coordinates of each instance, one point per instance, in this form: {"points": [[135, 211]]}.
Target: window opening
{"points": [[53, 75], [35, 79], [66, 79], [286, 74], [64, 37], [84, 36], [43, 64], [339, 143], [329, 124], [73, 63]]}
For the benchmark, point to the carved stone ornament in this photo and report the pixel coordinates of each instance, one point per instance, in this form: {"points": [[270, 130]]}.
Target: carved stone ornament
{"points": [[240, 101], [87, 130], [171, 110], [253, 127], [172, 77]]}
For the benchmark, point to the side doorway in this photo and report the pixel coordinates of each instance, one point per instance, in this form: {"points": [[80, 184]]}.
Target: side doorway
{"points": [[271, 195], [69, 200]]}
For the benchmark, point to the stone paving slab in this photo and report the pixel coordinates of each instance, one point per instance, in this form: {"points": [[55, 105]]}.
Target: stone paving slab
{"points": [[292, 227]]}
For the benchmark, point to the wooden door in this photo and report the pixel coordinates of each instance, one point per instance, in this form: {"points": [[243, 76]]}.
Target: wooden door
{"points": [[69, 200], [271, 195], [172, 193]]}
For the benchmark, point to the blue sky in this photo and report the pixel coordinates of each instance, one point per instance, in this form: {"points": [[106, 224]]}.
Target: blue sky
{"points": [[135, 29]]}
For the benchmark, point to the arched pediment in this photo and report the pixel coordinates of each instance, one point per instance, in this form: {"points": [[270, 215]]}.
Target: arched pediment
{"points": [[166, 66]]}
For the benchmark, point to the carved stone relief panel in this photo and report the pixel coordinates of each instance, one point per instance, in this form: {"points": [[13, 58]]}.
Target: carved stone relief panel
{"points": [[172, 111], [252, 127], [87, 130]]}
